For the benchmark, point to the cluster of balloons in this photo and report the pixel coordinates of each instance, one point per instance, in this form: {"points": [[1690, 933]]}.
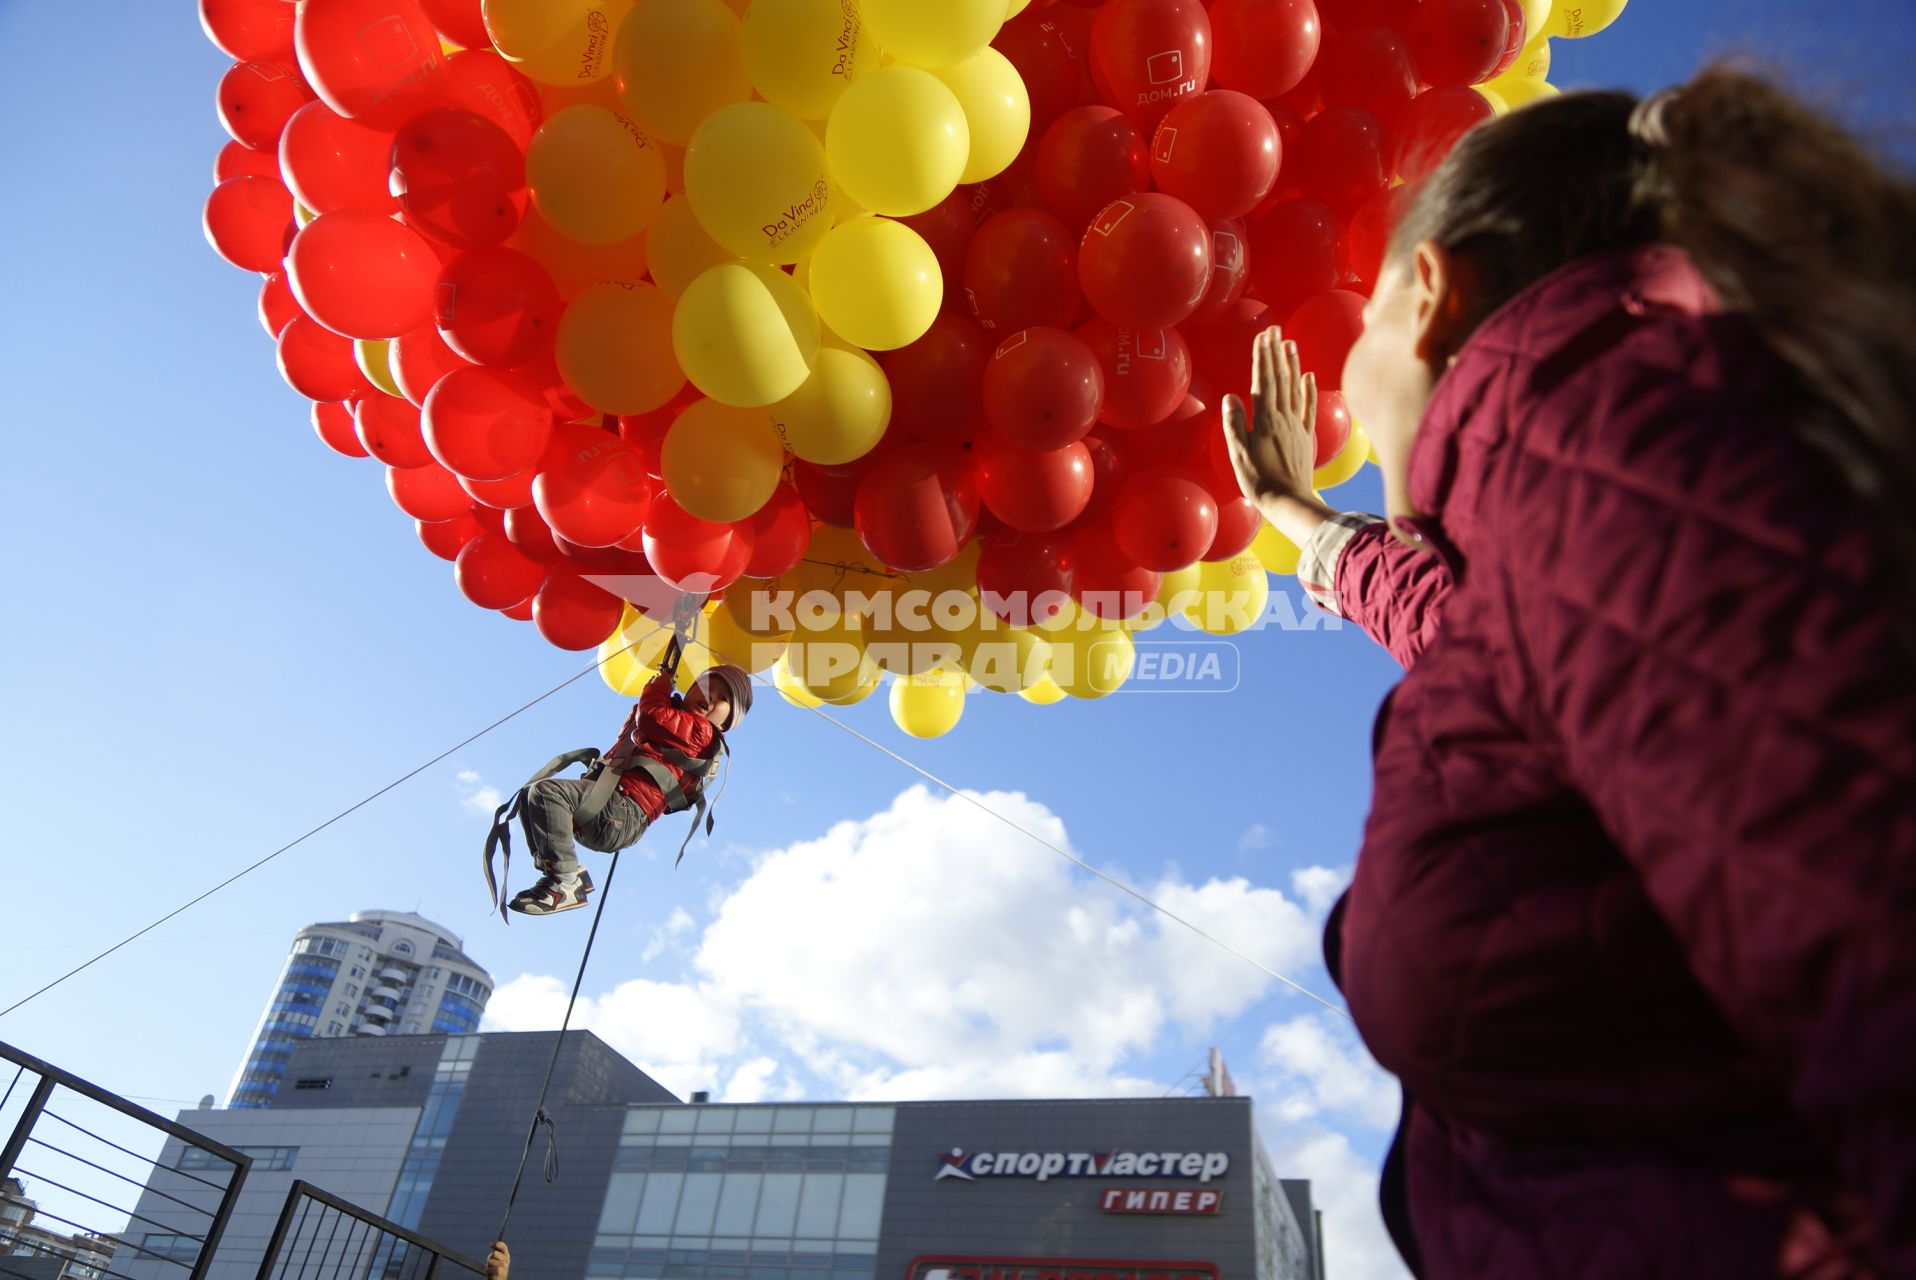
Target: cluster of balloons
{"points": [[896, 329]]}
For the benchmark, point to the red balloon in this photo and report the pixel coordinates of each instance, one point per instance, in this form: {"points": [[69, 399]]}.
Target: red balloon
{"points": [[1022, 270], [1034, 490], [234, 160], [1339, 159], [646, 432], [249, 30], [333, 422], [781, 530], [1181, 440], [332, 163], [1146, 371], [1087, 158], [690, 554], [1263, 47], [1026, 578], [501, 495], [1293, 254], [494, 574], [1147, 54], [624, 559], [362, 274], [1221, 347], [936, 382], [1431, 125], [1361, 251], [1108, 584], [573, 614], [486, 424], [375, 61], [1109, 466], [1217, 151], [917, 506], [521, 612], [1458, 42], [419, 358], [459, 177], [948, 227], [830, 493], [482, 81], [1163, 519], [459, 21], [1333, 426], [388, 427], [318, 363], [497, 307], [532, 535], [248, 219], [446, 538], [428, 492], [1348, 15], [1369, 68], [1515, 41], [1043, 57], [1238, 521], [1043, 389], [256, 99], [1324, 328], [1230, 268], [277, 308], [591, 489], [1146, 261]]}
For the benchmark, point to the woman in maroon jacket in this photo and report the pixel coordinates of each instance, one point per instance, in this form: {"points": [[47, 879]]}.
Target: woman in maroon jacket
{"points": [[1635, 917]]}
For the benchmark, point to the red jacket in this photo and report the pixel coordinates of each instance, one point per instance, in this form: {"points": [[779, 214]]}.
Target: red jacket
{"points": [[1635, 916], [658, 720]]}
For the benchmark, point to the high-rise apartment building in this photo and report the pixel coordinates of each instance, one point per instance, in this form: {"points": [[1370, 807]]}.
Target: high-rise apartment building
{"points": [[381, 973]]}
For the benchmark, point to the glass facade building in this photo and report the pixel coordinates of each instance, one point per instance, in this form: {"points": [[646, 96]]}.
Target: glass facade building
{"points": [[380, 973]]}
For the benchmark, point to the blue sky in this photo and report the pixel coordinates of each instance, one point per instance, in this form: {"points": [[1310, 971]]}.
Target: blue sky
{"points": [[222, 634]]}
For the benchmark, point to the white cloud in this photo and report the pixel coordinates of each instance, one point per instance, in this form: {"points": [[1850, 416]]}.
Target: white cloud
{"points": [[479, 797], [1320, 886], [673, 1032], [676, 926], [1256, 836], [751, 1082], [1314, 1063], [1344, 1186]]}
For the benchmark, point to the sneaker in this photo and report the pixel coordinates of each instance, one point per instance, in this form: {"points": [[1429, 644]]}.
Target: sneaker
{"points": [[553, 893]]}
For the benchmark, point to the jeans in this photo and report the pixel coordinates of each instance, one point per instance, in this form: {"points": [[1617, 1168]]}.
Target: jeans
{"points": [[552, 827]]}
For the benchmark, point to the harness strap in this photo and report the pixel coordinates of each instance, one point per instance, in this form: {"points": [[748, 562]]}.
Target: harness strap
{"points": [[499, 839]]}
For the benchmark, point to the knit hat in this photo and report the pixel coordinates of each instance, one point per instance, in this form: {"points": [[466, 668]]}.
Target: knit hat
{"points": [[736, 685]]}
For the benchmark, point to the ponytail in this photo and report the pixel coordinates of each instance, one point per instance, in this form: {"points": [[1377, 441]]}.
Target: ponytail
{"points": [[1793, 222]]}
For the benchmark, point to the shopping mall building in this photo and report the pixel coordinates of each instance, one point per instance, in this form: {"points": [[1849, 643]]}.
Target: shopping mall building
{"points": [[428, 1131]]}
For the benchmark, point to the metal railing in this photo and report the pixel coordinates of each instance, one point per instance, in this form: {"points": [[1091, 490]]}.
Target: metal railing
{"points": [[89, 1184], [322, 1237]]}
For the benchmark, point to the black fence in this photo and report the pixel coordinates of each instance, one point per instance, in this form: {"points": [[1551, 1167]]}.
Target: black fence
{"points": [[321, 1237], [72, 1172]]}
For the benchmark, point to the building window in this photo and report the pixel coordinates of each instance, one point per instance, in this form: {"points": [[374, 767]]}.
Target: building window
{"points": [[263, 1158], [313, 1082], [175, 1248], [333, 1028], [402, 948]]}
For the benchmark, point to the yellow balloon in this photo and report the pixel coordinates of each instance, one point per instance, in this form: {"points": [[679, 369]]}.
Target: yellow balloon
{"points": [[997, 111], [864, 690], [620, 672], [374, 358], [1496, 100], [1017, 7], [1043, 693], [1348, 462], [1093, 663], [877, 283], [837, 565], [897, 141], [731, 642], [960, 573], [576, 267], [839, 413], [1536, 15], [594, 175], [721, 463], [756, 178], [301, 214], [1520, 93], [1533, 63], [929, 705], [939, 34], [802, 53], [603, 92], [762, 607], [745, 334], [1179, 595], [831, 663], [677, 250], [788, 686], [1234, 592], [556, 41], [1010, 660], [678, 61], [614, 348], [902, 636], [1575, 19], [1277, 553]]}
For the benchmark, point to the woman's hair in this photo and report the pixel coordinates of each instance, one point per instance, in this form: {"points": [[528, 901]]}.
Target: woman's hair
{"points": [[1788, 216]]}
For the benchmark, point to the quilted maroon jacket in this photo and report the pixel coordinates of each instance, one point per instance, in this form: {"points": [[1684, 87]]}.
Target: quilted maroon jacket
{"points": [[1635, 916]]}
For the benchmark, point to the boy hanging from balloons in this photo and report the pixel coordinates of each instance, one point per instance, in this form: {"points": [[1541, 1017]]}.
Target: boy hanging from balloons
{"points": [[666, 751]]}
